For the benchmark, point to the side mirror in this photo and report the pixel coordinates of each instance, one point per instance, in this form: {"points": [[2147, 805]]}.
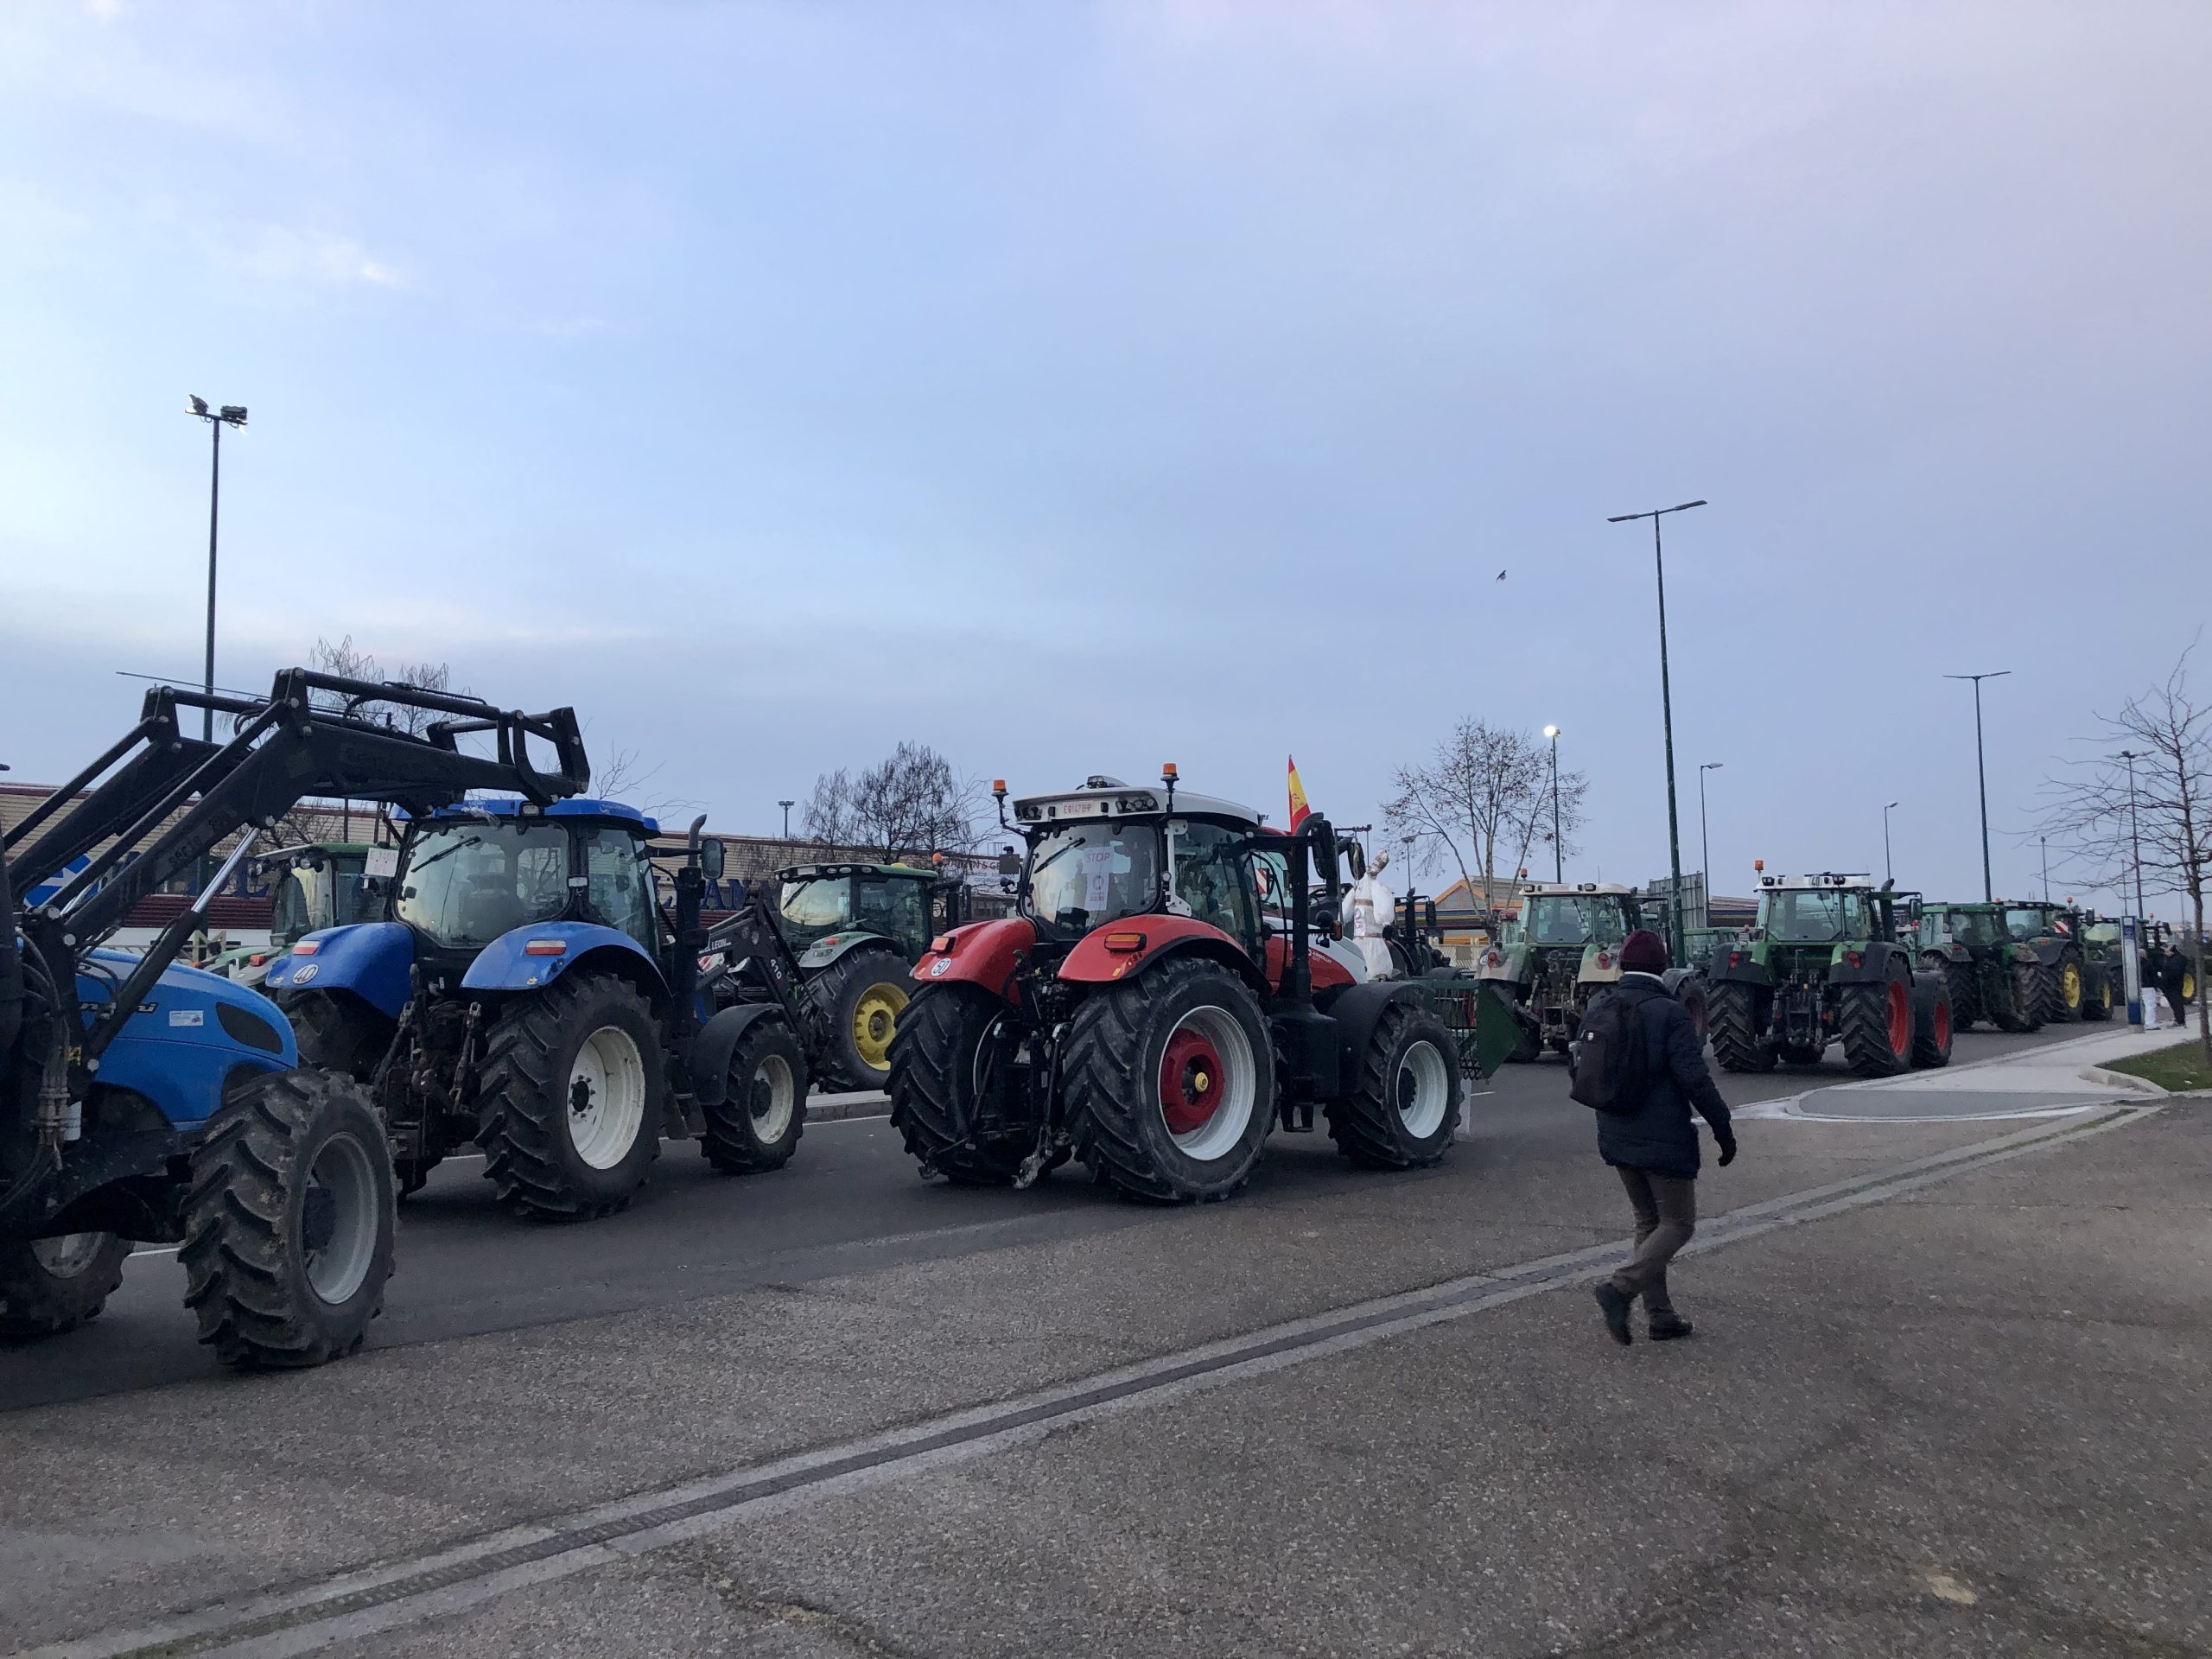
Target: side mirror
{"points": [[714, 858], [1009, 862]]}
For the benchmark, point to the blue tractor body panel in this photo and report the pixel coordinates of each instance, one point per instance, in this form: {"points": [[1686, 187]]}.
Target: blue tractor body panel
{"points": [[371, 959], [188, 1036], [507, 964]]}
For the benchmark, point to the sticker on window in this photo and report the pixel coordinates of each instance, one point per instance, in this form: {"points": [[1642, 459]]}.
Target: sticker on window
{"points": [[1097, 877], [381, 863]]}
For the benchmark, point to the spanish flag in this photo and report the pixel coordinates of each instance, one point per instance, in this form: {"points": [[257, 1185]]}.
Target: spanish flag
{"points": [[1299, 810]]}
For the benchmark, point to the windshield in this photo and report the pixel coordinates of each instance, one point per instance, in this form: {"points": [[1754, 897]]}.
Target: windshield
{"points": [[2031, 924], [289, 911], [1970, 927], [304, 899], [1573, 919], [466, 883], [1089, 873], [1813, 915]]}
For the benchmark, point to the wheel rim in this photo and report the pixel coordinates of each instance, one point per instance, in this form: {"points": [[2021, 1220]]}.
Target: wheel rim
{"points": [[774, 1098], [338, 1220], [1900, 1018], [2070, 985], [68, 1255], [607, 1097], [2188, 988], [1424, 1090], [1942, 1022], [875, 1016], [1209, 1083]]}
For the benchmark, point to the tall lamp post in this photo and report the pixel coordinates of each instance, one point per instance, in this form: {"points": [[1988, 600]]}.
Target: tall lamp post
{"points": [[1666, 705], [1705, 842], [1887, 874], [1559, 848], [2134, 830], [217, 419], [787, 806], [1981, 771]]}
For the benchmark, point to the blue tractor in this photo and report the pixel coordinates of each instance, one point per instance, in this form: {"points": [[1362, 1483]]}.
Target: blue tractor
{"points": [[525, 993], [143, 1100]]}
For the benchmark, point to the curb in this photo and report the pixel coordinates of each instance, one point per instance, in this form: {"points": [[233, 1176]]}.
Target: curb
{"points": [[835, 1108], [2121, 1080]]}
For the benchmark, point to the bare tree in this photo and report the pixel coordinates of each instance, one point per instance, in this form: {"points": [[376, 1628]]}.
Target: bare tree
{"points": [[627, 779], [1487, 789], [347, 661], [2164, 808], [912, 802]]}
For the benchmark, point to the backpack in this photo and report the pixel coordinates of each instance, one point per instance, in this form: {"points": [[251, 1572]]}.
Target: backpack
{"points": [[1606, 1059]]}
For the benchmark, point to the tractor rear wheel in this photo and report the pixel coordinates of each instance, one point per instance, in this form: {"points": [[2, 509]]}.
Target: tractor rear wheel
{"points": [[1171, 1082], [1876, 1025], [2096, 1003], [338, 1031], [1731, 1018], [1404, 1105], [861, 996], [2027, 1011], [51, 1285], [2060, 985], [942, 1070], [288, 1221], [1932, 1022], [756, 1124], [572, 1098]]}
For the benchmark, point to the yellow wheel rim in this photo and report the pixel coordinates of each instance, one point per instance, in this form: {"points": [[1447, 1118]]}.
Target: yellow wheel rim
{"points": [[2069, 985], [875, 1016], [2188, 988]]}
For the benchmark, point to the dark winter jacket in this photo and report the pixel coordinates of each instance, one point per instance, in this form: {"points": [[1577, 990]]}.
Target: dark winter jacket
{"points": [[1660, 1137]]}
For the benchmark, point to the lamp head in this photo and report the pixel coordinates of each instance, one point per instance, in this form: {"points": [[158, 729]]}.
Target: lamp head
{"points": [[197, 406]]}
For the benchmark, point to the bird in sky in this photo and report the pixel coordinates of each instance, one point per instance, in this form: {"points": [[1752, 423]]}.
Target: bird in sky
{"points": [[1501, 575]]}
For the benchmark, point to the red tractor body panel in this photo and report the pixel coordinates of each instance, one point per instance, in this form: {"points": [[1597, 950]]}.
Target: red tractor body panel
{"points": [[1328, 973], [1114, 950], [981, 953]]}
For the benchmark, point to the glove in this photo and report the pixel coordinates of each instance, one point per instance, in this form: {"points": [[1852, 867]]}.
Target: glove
{"points": [[1726, 1138]]}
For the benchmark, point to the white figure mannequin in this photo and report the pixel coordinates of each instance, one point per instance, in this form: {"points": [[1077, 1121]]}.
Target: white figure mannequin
{"points": [[1368, 907]]}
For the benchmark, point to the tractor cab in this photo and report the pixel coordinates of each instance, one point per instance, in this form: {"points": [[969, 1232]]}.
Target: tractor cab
{"points": [[899, 902], [2030, 922], [323, 883]]}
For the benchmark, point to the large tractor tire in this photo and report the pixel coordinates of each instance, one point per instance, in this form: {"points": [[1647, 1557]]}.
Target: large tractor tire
{"points": [[2027, 1011], [757, 1123], [1965, 1001], [1932, 1020], [1731, 1019], [1170, 1083], [1875, 1022], [940, 1074], [2060, 985], [338, 1031], [862, 995], [51, 1285], [288, 1221], [1404, 1106], [572, 1098]]}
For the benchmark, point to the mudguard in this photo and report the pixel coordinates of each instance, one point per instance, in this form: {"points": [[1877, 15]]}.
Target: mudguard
{"points": [[1601, 965], [1877, 963], [1094, 962], [371, 959], [1738, 965], [1356, 1009], [981, 953], [717, 1040], [1513, 968], [507, 964], [834, 948], [194, 1030]]}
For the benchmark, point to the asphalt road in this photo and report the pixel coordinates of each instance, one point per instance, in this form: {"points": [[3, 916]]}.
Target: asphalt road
{"points": [[849, 1202]]}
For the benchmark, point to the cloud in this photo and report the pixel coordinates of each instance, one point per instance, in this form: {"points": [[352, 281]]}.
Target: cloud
{"points": [[277, 253]]}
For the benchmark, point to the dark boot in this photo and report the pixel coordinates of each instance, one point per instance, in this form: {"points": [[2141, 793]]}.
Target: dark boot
{"points": [[1615, 1306], [1668, 1327]]}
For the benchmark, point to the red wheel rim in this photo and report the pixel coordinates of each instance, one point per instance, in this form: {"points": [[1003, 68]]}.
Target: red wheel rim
{"points": [[1942, 1022], [1190, 1081], [1900, 1018]]}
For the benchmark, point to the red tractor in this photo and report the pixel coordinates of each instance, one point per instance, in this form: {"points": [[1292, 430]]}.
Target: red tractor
{"points": [[1139, 1013]]}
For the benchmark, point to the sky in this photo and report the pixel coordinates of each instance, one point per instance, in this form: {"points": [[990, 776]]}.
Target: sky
{"points": [[1075, 388]]}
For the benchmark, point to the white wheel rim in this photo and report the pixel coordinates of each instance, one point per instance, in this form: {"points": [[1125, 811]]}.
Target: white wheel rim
{"points": [[68, 1255], [774, 1098], [1423, 1089], [343, 1188], [607, 1097], [1238, 1085]]}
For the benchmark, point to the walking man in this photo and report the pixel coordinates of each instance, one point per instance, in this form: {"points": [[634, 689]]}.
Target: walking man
{"points": [[1649, 1138]]}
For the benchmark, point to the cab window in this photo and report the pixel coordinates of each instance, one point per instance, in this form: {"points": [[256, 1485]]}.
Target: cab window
{"points": [[619, 890], [1213, 875], [895, 909]]}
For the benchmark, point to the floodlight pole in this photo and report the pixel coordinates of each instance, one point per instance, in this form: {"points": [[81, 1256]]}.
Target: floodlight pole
{"points": [[1558, 850], [787, 805], [2135, 829], [1887, 875], [1666, 710], [217, 419], [1704, 840], [1981, 771]]}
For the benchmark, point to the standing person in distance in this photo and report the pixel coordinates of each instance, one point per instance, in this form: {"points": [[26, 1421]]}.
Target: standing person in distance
{"points": [[1640, 1065]]}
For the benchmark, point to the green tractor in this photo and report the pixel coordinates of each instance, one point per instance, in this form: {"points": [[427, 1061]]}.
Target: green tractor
{"points": [[1830, 958], [1563, 949], [1993, 978], [858, 928], [311, 887], [2071, 982]]}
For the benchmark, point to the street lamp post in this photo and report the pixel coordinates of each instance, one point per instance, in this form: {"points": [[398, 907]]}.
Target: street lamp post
{"points": [[787, 806], [1981, 771], [217, 419], [1704, 842], [1666, 705], [2135, 829], [1887, 875], [2044, 841], [1559, 849]]}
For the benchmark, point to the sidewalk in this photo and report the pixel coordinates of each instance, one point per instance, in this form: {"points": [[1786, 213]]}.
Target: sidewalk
{"points": [[2054, 1079]]}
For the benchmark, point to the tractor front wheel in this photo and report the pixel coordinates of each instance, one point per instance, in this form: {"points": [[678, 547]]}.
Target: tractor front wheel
{"points": [[288, 1221], [1404, 1105], [944, 1070], [572, 1099], [1731, 1019], [863, 995], [1961, 977], [51, 1285], [2022, 980], [1932, 1020], [2060, 984], [1171, 1082], [757, 1123], [1876, 1025], [337, 1031]]}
